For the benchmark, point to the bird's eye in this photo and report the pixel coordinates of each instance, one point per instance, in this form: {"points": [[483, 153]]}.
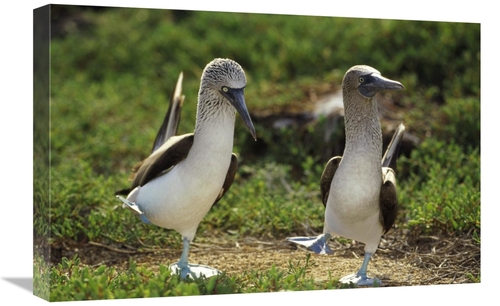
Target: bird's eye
{"points": [[225, 89], [361, 79]]}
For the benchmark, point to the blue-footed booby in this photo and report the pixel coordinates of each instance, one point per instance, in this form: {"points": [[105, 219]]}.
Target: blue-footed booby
{"points": [[185, 175], [357, 189]]}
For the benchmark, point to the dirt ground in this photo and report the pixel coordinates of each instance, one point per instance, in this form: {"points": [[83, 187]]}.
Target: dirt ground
{"points": [[401, 260]]}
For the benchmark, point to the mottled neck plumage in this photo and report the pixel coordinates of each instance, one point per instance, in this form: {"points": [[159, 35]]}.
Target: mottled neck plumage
{"points": [[214, 119], [212, 109], [362, 125]]}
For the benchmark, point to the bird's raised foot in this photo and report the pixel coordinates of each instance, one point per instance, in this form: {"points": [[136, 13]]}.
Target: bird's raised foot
{"points": [[360, 280], [317, 244], [134, 208], [193, 271]]}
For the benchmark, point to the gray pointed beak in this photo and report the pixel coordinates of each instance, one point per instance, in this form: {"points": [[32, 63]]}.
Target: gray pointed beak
{"points": [[377, 83], [237, 99]]}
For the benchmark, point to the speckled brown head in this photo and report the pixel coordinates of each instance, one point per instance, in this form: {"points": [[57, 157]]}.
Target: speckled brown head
{"points": [[223, 80], [367, 81]]}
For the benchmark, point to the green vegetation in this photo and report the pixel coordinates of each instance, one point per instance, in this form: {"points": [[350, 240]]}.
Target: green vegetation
{"points": [[111, 77], [75, 283]]}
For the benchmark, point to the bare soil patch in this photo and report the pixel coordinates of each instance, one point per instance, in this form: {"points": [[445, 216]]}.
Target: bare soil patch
{"points": [[403, 259]]}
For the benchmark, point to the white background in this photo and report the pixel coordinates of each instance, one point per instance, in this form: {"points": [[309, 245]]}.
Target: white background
{"points": [[16, 111]]}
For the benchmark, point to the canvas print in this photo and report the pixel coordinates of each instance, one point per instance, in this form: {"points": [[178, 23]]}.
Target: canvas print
{"points": [[184, 152]]}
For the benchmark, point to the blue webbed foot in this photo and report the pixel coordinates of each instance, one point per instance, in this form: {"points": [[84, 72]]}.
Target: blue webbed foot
{"points": [[184, 269], [317, 244], [134, 208], [360, 277], [193, 271], [361, 280]]}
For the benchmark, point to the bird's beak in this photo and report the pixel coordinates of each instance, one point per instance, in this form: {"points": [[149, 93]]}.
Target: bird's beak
{"points": [[378, 83], [237, 99]]}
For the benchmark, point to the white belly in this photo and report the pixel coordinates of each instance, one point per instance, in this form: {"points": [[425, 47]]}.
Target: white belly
{"points": [[180, 199], [367, 231], [352, 209]]}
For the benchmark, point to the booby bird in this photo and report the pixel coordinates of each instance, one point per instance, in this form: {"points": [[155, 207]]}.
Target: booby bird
{"points": [[357, 189], [186, 175]]}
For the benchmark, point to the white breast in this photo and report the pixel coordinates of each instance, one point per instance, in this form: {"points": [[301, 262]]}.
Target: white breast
{"points": [[352, 209], [181, 198]]}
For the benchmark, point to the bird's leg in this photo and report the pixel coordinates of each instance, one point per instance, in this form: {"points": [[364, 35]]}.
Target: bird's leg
{"points": [[184, 268], [183, 261], [362, 271], [360, 277]]}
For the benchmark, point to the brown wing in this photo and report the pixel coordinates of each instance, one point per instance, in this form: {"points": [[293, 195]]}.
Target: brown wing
{"points": [[231, 172], [392, 151], [172, 117], [388, 199], [146, 170], [163, 159], [327, 176]]}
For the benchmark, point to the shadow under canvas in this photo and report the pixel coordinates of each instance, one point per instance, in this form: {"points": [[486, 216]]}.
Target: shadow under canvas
{"points": [[22, 282]]}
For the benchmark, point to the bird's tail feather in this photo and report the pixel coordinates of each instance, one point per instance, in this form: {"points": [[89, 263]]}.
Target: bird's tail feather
{"points": [[172, 117], [392, 152]]}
